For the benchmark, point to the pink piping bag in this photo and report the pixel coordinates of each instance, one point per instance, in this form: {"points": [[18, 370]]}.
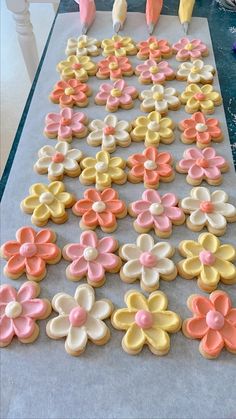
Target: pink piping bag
{"points": [[87, 10]]}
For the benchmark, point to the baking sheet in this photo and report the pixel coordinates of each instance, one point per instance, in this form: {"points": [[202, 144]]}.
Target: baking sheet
{"points": [[40, 380]]}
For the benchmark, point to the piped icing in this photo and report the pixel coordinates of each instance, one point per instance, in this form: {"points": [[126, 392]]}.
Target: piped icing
{"points": [[202, 99], [65, 125], [160, 98], [120, 46], [151, 72], [80, 318], [186, 49], [154, 49], [146, 321], [200, 129], [19, 312], [147, 261], [100, 208], [153, 129], [91, 258], [70, 93], [83, 45], [114, 68], [30, 252], [79, 68], [208, 260], [115, 95], [196, 72], [213, 322]]}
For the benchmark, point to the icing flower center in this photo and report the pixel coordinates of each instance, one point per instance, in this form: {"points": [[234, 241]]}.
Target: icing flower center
{"points": [[150, 165], [90, 253], [69, 91], [144, 319], [46, 198], [113, 66], [207, 258], [156, 209], [199, 96], [76, 66], [195, 69], [78, 316], [206, 206], [65, 121], [148, 259], [202, 163], [153, 45], [81, 44], [13, 309], [118, 45], [158, 96], [116, 92], [28, 250], [101, 167], [215, 320], [188, 46], [154, 69], [99, 206], [153, 126], [58, 158], [109, 130], [201, 127]]}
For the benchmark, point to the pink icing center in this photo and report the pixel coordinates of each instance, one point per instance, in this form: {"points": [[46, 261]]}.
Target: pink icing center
{"points": [[148, 259], [28, 250], [117, 45], [215, 320], [78, 316], [144, 319], [199, 96], [206, 257], [202, 163], [109, 130], [58, 158], [65, 121], [206, 206], [76, 66]]}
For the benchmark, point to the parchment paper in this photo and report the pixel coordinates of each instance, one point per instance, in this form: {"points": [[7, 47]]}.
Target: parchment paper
{"points": [[40, 380]]}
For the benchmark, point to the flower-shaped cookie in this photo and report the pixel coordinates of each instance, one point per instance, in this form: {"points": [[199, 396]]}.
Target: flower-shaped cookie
{"points": [[146, 321], [65, 125], [120, 46], [147, 261], [116, 95], [83, 45], [160, 99], [79, 68], [100, 209], [19, 312], [195, 72], [80, 319], [189, 50], [114, 68], [103, 170], [202, 165], [70, 93], [201, 130], [156, 211], [109, 133], [29, 253], [151, 72], [213, 321], [58, 160], [154, 48], [153, 129], [150, 167], [91, 258], [47, 202], [208, 209], [207, 260], [202, 99]]}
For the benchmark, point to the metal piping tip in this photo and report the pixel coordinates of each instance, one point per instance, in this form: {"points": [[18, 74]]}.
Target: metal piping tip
{"points": [[117, 27], [151, 28], [185, 27], [84, 29]]}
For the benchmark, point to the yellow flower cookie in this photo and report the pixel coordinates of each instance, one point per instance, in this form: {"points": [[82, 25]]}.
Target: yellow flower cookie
{"points": [[202, 99], [153, 129], [146, 321], [103, 170], [78, 68], [48, 202], [120, 46], [207, 260]]}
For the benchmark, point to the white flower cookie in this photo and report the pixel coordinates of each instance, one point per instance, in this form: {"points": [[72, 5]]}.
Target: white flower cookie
{"points": [[83, 45], [160, 99], [196, 72]]}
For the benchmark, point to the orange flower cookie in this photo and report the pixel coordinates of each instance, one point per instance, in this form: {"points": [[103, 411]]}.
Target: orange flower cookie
{"points": [[150, 167], [153, 129], [65, 125], [116, 95], [47, 202], [146, 322], [160, 99], [120, 46], [114, 68], [79, 68], [154, 49], [71, 93], [100, 209], [202, 99], [207, 260]]}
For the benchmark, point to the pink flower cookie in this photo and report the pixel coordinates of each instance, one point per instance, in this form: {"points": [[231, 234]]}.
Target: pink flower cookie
{"points": [[114, 68], [213, 322], [151, 72], [65, 125], [157, 212], [202, 165], [200, 130], [91, 258], [70, 93], [100, 209], [19, 312], [154, 49], [116, 95], [189, 50], [29, 253], [150, 167]]}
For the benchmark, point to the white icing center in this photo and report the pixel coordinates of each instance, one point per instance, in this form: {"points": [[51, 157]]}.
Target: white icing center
{"points": [[201, 127], [90, 253], [99, 206], [150, 165], [156, 209], [101, 167], [153, 126], [46, 198], [13, 309]]}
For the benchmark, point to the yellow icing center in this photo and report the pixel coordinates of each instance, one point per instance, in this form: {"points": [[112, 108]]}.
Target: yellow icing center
{"points": [[189, 46], [116, 92], [154, 69], [69, 91], [113, 66], [158, 96], [153, 45], [81, 44], [194, 69]]}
